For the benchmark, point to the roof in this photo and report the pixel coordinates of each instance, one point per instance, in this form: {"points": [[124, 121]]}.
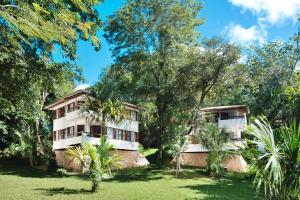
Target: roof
{"points": [[224, 108], [81, 92], [66, 98]]}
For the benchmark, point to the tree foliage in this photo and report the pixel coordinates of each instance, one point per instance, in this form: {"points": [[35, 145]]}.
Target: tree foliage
{"points": [[27, 24], [214, 139], [99, 159], [277, 160], [160, 63], [30, 78]]}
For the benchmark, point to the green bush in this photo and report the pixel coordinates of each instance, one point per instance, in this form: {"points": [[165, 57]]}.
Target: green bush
{"points": [[62, 172]]}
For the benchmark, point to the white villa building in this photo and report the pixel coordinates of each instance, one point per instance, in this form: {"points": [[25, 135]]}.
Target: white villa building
{"points": [[234, 120], [71, 128]]}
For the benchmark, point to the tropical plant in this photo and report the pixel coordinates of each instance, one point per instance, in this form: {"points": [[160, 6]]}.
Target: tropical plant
{"points": [[100, 109], [62, 172], [177, 147], [87, 156], [277, 163], [214, 139], [98, 159], [109, 159]]}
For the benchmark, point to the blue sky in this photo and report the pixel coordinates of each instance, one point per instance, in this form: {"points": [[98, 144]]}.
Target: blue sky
{"points": [[241, 21]]}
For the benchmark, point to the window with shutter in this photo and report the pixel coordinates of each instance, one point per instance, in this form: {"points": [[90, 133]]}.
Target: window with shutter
{"points": [[137, 137], [95, 131], [114, 133], [126, 135], [54, 135]]}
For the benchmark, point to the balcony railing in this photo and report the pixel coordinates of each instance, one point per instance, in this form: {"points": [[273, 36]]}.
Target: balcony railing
{"points": [[87, 138], [233, 145]]}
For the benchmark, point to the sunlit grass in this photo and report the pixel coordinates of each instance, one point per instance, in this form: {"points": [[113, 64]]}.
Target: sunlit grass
{"points": [[17, 181]]}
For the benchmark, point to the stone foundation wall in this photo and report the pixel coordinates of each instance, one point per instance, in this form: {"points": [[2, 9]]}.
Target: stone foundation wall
{"points": [[63, 161], [128, 158], [235, 163]]}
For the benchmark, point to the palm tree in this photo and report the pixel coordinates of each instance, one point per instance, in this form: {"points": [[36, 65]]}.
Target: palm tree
{"points": [[87, 156], [98, 110], [99, 159], [109, 159], [277, 160], [214, 139]]}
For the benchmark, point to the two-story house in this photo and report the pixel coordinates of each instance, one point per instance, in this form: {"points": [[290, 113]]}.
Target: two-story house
{"points": [[71, 127], [231, 118]]}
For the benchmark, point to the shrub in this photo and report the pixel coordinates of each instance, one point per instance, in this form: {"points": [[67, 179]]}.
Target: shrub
{"points": [[62, 172]]}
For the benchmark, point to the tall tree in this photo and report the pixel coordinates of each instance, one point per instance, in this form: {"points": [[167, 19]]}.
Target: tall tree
{"points": [[146, 38], [158, 56], [29, 77]]}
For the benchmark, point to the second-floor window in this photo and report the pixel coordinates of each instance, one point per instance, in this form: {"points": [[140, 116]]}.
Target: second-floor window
{"points": [[134, 116], [71, 107], [61, 112]]}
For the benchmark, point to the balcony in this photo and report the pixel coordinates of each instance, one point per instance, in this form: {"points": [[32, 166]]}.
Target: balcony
{"points": [[234, 145], [85, 138], [233, 124]]}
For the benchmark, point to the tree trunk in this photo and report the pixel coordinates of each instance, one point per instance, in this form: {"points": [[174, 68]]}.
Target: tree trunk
{"points": [[37, 122], [161, 111], [177, 166], [95, 186]]}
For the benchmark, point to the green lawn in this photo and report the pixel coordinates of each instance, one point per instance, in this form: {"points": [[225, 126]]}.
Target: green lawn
{"points": [[18, 182]]}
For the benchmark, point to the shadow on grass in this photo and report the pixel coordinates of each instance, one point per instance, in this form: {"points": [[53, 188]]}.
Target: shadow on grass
{"points": [[63, 190], [187, 173], [228, 188], [137, 174], [23, 169]]}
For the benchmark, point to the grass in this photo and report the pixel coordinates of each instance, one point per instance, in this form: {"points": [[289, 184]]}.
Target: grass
{"points": [[18, 181]]}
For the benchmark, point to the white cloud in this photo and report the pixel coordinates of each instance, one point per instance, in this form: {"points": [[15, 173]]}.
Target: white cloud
{"points": [[242, 59], [272, 11], [246, 36], [82, 87]]}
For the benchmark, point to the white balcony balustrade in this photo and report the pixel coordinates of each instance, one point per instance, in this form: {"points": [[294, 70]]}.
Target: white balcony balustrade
{"points": [[84, 138]]}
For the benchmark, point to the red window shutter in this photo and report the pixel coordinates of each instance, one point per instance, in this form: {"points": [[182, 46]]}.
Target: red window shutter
{"points": [[54, 114], [126, 135], [114, 133]]}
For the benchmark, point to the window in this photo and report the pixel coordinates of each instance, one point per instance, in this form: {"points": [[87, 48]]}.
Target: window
{"points": [[133, 115], [126, 135], [224, 116], [132, 134], [70, 132], [54, 135], [54, 114], [80, 129], [61, 112], [95, 130], [110, 133], [71, 107], [136, 137], [119, 134], [114, 133], [79, 104]]}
